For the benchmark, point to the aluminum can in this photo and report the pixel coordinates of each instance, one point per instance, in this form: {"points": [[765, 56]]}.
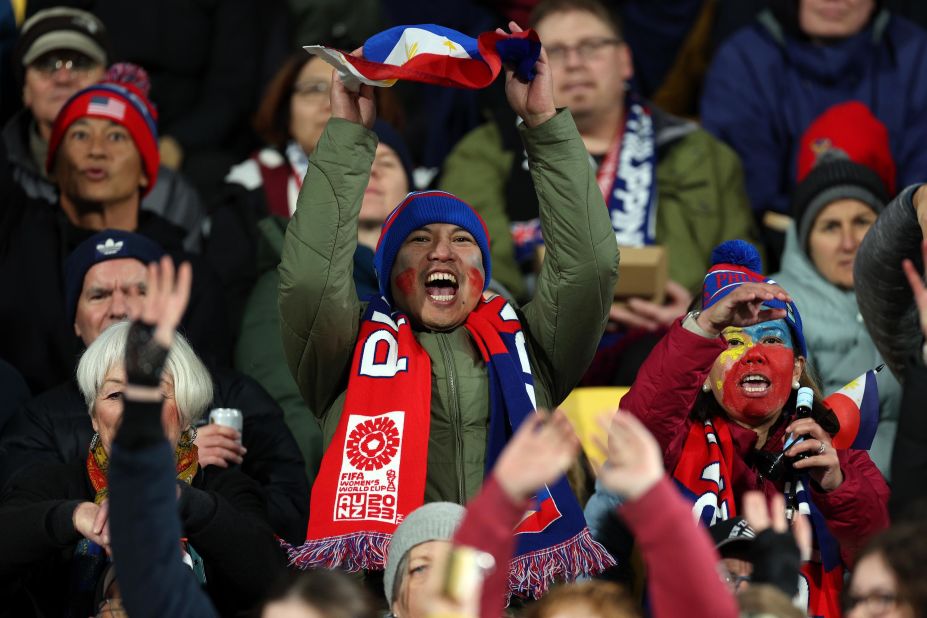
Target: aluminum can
{"points": [[230, 417]]}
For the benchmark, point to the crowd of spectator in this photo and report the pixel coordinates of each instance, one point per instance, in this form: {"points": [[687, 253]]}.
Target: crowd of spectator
{"points": [[391, 291]]}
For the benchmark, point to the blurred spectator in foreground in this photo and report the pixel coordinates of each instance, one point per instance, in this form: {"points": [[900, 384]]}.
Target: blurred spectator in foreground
{"points": [[666, 181], [889, 576], [56, 516], [107, 280], [61, 51], [320, 594], [103, 155], [769, 81], [846, 175]]}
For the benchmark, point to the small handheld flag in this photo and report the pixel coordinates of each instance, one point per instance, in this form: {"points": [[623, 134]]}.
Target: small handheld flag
{"points": [[857, 408], [434, 55]]}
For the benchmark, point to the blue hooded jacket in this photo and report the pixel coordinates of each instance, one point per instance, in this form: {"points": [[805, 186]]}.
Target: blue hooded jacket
{"points": [[765, 87]]}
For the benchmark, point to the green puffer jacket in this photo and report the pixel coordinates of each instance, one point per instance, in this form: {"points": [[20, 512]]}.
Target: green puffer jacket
{"points": [[701, 200], [320, 311]]}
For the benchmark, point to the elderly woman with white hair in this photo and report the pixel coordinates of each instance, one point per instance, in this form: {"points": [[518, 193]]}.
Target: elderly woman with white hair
{"points": [[55, 517]]}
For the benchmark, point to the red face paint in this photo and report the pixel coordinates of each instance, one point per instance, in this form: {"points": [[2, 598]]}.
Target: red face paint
{"points": [[405, 281], [775, 363], [475, 280]]}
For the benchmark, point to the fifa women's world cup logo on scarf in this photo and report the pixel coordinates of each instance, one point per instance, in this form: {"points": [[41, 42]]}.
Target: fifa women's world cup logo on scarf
{"points": [[367, 487]]}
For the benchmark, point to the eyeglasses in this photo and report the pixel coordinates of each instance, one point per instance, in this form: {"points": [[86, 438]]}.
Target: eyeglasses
{"points": [[734, 581], [74, 62], [875, 603], [587, 49], [312, 90]]}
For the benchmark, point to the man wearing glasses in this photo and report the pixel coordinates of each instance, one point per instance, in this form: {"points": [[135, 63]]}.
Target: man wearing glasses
{"points": [[60, 51], [665, 181]]}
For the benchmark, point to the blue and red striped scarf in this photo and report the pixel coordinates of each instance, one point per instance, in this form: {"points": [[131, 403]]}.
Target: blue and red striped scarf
{"points": [[373, 473], [704, 474]]}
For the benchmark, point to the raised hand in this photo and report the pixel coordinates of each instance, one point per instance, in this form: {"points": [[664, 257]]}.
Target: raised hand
{"points": [[916, 281], [360, 106], [166, 298], [635, 462], [743, 307], [540, 452], [533, 101]]}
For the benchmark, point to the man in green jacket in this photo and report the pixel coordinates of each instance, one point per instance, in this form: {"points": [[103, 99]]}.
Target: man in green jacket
{"points": [[321, 313], [682, 188]]}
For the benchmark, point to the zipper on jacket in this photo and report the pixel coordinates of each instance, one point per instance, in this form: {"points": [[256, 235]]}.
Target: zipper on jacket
{"points": [[454, 411]]}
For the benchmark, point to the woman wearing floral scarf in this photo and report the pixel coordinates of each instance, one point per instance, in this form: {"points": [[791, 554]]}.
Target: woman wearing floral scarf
{"points": [[55, 541]]}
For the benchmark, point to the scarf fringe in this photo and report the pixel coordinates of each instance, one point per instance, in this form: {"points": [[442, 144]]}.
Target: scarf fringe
{"points": [[531, 574], [349, 552]]}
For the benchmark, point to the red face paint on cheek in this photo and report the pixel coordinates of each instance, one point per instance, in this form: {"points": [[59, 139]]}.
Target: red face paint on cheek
{"points": [[405, 280], [775, 362], [475, 280]]}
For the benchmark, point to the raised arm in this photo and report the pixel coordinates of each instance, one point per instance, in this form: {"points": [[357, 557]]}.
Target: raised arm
{"points": [[576, 283], [319, 308]]}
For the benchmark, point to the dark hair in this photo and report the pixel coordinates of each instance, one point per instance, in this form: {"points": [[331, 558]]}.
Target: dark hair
{"points": [[333, 594], [903, 547], [546, 8], [601, 597], [272, 119]]}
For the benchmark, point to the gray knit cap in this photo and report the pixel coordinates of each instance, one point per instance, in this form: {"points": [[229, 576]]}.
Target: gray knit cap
{"points": [[435, 521]]}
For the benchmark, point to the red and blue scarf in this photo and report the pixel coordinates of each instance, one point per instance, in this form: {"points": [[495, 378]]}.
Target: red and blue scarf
{"points": [[704, 474], [373, 472]]}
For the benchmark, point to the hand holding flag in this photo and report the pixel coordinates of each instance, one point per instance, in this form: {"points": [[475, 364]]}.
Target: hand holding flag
{"points": [[356, 105], [532, 100]]}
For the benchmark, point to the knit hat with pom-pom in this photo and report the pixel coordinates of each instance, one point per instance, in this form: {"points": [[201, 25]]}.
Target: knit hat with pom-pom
{"points": [[734, 263]]}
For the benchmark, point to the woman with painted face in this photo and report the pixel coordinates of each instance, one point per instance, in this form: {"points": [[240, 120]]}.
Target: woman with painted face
{"points": [[718, 392]]}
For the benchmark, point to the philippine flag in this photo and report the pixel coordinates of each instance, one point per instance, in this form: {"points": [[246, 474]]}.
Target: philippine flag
{"points": [[434, 55], [857, 408]]}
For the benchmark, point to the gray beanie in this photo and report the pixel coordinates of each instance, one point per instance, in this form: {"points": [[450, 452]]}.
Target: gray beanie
{"points": [[435, 521]]}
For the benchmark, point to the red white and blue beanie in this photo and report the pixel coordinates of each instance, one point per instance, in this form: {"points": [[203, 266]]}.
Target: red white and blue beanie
{"points": [[418, 209], [736, 262], [122, 103]]}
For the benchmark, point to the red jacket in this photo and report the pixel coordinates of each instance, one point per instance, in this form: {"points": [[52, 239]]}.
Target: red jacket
{"points": [[663, 396]]}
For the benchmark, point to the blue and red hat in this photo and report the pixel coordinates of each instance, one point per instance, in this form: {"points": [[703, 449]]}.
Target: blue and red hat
{"points": [[736, 262], [418, 209], [123, 103]]}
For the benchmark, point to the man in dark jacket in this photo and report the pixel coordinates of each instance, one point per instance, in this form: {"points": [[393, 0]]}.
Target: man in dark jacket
{"points": [[105, 282], [103, 155]]}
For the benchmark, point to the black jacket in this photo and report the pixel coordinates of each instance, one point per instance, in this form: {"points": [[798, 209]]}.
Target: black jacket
{"points": [[909, 457], [223, 517], [35, 239], [54, 427]]}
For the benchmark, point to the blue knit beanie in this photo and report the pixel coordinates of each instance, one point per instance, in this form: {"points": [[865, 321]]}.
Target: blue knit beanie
{"points": [[422, 208], [103, 246], [736, 262]]}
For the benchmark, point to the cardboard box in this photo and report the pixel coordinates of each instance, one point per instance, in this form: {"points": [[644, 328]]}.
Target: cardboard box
{"points": [[642, 273]]}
